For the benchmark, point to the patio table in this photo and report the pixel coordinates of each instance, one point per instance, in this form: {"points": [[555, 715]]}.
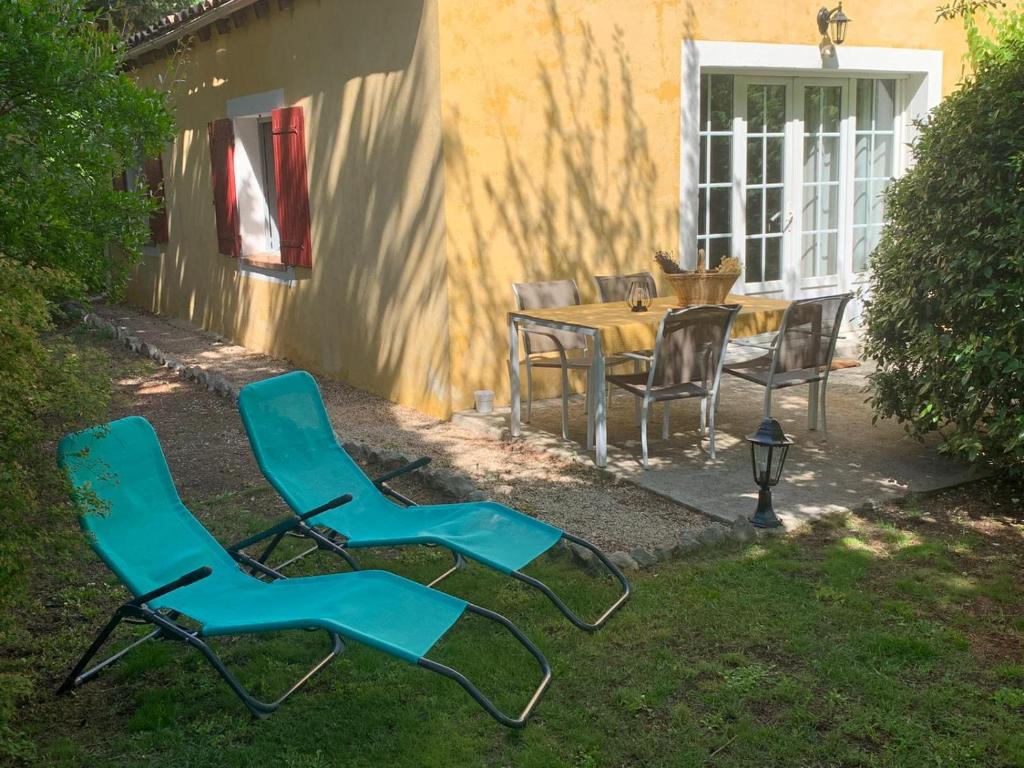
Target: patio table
{"points": [[613, 328]]}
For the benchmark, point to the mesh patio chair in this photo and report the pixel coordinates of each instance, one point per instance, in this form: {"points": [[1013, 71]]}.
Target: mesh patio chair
{"points": [[616, 287], [296, 448], [176, 570], [552, 348], [687, 362], [800, 353]]}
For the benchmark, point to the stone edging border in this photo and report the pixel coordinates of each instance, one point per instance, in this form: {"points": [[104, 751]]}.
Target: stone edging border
{"points": [[455, 484]]}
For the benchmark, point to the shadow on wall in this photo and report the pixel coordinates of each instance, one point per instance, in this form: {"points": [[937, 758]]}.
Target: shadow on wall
{"points": [[585, 196], [373, 310]]}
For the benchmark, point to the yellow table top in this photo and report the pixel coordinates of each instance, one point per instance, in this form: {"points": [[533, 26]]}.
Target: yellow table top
{"points": [[622, 330]]}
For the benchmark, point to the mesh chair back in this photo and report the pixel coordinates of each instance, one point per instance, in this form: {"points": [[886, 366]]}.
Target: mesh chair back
{"points": [[688, 337], [616, 287], [547, 295], [808, 334], [130, 509]]}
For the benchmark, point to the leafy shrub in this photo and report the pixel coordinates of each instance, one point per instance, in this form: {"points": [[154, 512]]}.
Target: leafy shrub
{"points": [[945, 320]]}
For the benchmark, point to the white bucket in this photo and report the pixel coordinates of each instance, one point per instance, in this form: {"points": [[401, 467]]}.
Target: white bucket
{"points": [[484, 400]]}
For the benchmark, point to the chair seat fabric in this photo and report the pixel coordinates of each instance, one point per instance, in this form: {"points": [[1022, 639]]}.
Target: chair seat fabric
{"points": [[757, 371], [490, 533], [137, 523], [636, 383], [299, 454], [384, 611]]}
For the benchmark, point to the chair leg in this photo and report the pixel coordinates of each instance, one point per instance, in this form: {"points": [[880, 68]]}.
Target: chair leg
{"points": [[812, 406], [665, 426], [711, 427], [529, 392], [703, 416], [79, 674], [643, 431], [565, 402], [823, 387]]}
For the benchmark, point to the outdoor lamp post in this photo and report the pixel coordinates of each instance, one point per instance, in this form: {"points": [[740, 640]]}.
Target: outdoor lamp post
{"points": [[768, 448], [837, 20]]}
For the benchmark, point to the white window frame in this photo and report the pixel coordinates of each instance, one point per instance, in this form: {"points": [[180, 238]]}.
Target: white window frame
{"points": [[919, 89]]}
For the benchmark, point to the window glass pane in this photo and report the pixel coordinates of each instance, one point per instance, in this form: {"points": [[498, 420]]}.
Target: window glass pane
{"points": [[830, 108], [829, 196], [773, 210], [862, 156], [721, 211], [752, 262], [885, 100], [810, 159], [807, 256], [755, 108], [703, 178], [773, 258], [775, 109], [831, 255], [702, 211], [721, 159], [720, 102], [719, 249], [877, 201], [861, 194], [860, 249], [755, 213], [865, 104], [881, 162], [812, 109], [830, 158], [775, 159], [704, 102], [755, 161]]}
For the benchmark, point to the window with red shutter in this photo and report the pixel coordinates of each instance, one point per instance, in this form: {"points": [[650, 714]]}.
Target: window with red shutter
{"points": [[222, 151], [154, 170], [291, 186]]}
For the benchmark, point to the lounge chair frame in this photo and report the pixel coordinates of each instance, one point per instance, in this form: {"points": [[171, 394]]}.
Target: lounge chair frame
{"points": [[167, 627], [335, 543]]}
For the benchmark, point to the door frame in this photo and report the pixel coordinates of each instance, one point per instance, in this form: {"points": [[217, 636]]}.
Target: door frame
{"points": [[919, 88]]}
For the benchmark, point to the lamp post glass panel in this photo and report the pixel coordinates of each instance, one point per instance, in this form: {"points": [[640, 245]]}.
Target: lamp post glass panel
{"points": [[768, 449]]}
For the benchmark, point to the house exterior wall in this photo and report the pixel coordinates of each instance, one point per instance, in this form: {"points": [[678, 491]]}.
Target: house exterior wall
{"points": [[562, 140], [373, 310]]}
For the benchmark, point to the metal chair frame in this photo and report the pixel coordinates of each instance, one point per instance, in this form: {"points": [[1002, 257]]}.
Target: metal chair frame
{"points": [[816, 397], [711, 384]]}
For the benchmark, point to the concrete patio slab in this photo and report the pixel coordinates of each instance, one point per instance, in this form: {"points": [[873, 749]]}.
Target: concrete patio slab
{"points": [[857, 463]]}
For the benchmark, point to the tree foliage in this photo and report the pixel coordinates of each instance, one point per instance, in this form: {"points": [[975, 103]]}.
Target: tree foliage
{"points": [[946, 316]]}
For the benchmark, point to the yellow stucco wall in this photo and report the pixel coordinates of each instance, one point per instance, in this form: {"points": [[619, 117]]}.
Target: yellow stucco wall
{"points": [[561, 139], [373, 310], [454, 147]]}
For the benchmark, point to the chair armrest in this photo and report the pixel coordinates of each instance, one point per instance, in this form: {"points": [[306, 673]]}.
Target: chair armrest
{"points": [[412, 466], [182, 581], [286, 525], [637, 356]]}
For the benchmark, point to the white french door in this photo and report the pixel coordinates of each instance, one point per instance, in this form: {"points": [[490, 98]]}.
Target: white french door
{"points": [[791, 176]]}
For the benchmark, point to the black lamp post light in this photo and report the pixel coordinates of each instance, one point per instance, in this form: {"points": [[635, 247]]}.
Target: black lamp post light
{"points": [[768, 448], [832, 26]]}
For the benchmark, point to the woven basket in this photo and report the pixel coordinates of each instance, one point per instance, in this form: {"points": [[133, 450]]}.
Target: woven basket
{"points": [[693, 288]]}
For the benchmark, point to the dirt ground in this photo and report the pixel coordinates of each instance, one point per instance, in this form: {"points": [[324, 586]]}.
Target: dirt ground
{"points": [[209, 455]]}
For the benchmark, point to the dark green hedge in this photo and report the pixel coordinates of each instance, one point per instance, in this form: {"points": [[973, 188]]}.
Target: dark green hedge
{"points": [[946, 315]]}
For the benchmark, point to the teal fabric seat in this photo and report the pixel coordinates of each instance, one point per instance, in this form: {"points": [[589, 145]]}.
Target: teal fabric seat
{"points": [[298, 452], [139, 526], [296, 448]]}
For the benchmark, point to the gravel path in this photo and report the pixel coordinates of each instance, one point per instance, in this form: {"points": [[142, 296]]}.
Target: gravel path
{"points": [[207, 448]]}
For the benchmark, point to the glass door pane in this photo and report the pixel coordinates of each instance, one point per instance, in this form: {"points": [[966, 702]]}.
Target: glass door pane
{"points": [[714, 188], [822, 173], [765, 181], [874, 163]]}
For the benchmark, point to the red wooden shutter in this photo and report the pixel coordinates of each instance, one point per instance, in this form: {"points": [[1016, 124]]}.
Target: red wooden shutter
{"points": [[292, 190], [222, 161], [154, 170]]}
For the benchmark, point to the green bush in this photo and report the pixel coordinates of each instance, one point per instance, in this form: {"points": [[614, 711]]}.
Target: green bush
{"points": [[945, 319]]}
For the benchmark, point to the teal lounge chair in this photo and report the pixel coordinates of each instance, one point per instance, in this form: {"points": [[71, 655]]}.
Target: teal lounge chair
{"points": [[296, 448], [174, 568]]}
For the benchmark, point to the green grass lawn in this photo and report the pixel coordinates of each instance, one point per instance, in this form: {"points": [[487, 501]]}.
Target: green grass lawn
{"points": [[890, 640], [856, 643]]}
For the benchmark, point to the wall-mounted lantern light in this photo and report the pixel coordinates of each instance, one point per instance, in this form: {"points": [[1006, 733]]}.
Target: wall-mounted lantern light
{"points": [[832, 26]]}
